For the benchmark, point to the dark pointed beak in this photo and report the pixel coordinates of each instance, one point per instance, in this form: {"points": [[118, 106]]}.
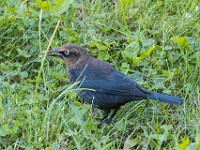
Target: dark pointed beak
{"points": [[54, 52]]}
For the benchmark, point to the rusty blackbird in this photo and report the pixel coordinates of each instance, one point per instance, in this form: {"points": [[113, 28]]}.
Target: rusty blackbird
{"points": [[110, 88]]}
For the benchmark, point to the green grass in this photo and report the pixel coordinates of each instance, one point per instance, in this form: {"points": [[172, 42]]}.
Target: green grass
{"points": [[157, 43]]}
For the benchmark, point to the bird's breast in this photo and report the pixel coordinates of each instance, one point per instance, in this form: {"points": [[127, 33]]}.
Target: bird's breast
{"points": [[72, 75]]}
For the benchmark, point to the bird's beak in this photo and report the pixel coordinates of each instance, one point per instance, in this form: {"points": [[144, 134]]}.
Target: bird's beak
{"points": [[50, 53], [53, 53]]}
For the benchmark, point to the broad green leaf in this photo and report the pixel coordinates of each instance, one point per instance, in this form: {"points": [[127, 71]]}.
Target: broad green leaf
{"points": [[44, 5], [57, 8], [121, 126], [130, 52], [130, 143], [181, 41], [24, 74], [103, 47], [124, 67], [184, 143], [22, 53], [60, 7], [159, 137], [147, 42], [4, 130], [143, 56], [102, 55], [166, 127]]}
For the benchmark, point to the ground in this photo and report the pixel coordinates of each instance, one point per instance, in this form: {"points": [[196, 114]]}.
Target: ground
{"points": [[157, 43]]}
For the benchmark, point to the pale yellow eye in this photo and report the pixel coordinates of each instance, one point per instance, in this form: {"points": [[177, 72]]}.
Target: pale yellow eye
{"points": [[67, 53]]}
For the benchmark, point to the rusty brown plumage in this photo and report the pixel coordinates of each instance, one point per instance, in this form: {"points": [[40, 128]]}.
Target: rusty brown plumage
{"points": [[110, 88]]}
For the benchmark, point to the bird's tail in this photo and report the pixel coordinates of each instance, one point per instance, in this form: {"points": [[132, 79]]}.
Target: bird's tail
{"points": [[165, 98]]}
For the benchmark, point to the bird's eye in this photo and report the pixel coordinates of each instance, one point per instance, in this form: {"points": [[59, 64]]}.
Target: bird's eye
{"points": [[67, 53]]}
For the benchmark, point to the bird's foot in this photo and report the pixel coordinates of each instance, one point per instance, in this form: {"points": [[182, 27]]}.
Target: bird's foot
{"points": [[107, 119], [104, 120]]}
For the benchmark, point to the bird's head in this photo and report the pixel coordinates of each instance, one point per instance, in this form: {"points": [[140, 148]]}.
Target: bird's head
{"points": [[70, 53]]}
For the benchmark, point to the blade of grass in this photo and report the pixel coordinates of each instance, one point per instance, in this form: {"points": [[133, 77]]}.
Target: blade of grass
{"points": [[45, 54], [124, 17]]}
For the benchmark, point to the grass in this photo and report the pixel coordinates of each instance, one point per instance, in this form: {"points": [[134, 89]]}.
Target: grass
{"points": [[157, 43]]}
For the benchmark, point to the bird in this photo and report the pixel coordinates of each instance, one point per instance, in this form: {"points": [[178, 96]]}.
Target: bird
{"points": [[101, 84]]}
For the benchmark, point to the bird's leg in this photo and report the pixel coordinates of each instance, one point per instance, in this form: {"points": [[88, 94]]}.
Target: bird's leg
{"points": [[107, 112], [114, 113], [108, 119]]}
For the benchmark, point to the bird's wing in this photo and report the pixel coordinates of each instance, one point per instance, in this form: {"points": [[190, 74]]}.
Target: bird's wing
{"points": [[115, 83]]}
